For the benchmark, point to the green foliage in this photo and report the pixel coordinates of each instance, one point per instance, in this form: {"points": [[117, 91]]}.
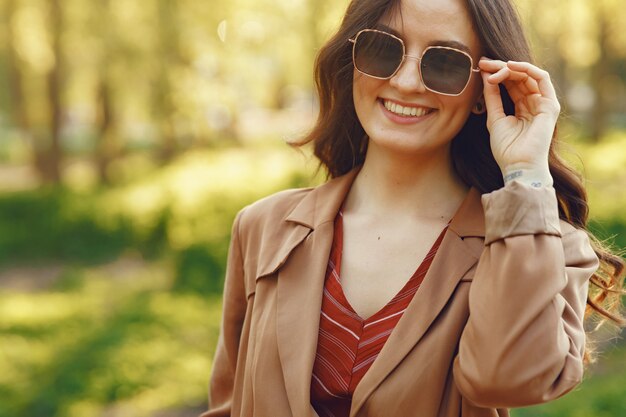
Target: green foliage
{"points": [[600, 395], [58, 224], [41, 225], [200, 269], [184, 211], [107, 345]]}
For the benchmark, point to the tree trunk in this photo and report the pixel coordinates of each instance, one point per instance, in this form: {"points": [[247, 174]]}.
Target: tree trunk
{"points": [[48, 156], [599, 75], [18, 109], [168, 57], [108, 147]]}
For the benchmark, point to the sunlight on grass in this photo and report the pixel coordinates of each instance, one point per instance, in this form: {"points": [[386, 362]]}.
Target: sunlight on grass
{"points": [[605, 172], [201, 175], [132, 346], [607, 158], [601, 393], [196, 190], [33, 310], [80, 176]]}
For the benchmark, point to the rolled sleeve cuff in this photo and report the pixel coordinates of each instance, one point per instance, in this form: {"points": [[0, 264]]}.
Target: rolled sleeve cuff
{"points": [[520, 209]]}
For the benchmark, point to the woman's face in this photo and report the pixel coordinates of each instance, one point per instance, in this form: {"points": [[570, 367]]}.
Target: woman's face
{"points": [[420, 23]]}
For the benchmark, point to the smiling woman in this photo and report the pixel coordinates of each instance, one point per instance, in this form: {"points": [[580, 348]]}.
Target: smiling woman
{"points": [[446, 196], [424, 81]]}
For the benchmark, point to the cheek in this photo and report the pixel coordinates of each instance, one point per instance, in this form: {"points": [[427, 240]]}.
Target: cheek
{"points": [[457, 111], [464, 104], [359, 93], [365, 90], [358, 87]]}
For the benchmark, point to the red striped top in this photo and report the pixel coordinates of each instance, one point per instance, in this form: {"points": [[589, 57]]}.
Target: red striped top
{"points": [[347, 344]]}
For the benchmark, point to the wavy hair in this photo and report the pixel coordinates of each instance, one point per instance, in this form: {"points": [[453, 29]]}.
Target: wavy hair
{"points": [[340, 143]]}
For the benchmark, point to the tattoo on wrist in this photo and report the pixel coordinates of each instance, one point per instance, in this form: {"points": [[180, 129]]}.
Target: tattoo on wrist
{"points": [[533, 182], [512, 176]]}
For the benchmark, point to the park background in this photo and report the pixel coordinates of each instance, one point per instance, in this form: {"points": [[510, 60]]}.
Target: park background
{"points": [[131, 132]]}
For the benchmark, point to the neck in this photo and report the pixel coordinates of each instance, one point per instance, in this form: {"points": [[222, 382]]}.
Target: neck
{"points": [[421, 186]]}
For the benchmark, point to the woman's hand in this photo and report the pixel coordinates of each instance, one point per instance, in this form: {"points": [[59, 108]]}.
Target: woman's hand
{"points": [[520, 142]]}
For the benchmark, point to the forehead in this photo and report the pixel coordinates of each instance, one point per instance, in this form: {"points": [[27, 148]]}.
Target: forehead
{"points": [[425, 22]]}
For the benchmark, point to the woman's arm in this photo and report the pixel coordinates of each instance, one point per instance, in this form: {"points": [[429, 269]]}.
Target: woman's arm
{"points": [[524, 340], [221, 386]]}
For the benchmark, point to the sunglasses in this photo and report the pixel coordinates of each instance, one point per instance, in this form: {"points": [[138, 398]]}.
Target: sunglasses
{"points": [[442, 69]]}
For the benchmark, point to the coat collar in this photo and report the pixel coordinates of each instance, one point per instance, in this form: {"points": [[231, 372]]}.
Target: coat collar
{"points": [[301, 263], [322, 203]]}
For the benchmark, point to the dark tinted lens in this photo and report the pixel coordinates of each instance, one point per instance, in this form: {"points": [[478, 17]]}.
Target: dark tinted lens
{"points": [[445, 70], [377, 54]]}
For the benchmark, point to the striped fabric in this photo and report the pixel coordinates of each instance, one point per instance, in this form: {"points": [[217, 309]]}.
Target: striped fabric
{"points": [[347, 344]]}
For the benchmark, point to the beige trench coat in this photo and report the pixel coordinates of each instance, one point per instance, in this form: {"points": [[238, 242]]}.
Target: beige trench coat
{"points": [[496, 323]]}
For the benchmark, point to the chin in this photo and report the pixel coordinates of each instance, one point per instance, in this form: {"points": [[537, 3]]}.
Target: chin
{"points": [[404, 145]]}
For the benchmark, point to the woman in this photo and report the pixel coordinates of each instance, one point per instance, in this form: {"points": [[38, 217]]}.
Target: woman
{"points": [[444, 268]]}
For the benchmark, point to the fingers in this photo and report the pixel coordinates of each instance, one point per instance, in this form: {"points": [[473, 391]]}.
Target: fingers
{"points": [[542, 77], [521, 79], [518, 94], [493, 100], [502, 71]]}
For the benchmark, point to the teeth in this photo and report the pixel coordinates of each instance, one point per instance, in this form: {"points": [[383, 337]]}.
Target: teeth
{"points": [[405, 111]]}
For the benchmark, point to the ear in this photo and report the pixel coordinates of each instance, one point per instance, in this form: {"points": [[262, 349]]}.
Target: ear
{"points": [[479, 107]]}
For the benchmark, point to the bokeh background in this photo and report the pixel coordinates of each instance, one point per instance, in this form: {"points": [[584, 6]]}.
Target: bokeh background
{"points": [[131, 132]]}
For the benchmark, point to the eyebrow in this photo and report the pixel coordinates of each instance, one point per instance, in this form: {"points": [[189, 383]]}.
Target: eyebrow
{"points": [[451, 44], [448, 43]]}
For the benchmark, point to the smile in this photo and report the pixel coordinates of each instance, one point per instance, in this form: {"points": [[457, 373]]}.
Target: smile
{"points": [[406, 111], [403, 114]]}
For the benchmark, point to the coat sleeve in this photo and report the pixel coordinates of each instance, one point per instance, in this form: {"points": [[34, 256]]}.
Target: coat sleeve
{"points": [[222, 381], [524, 340]]}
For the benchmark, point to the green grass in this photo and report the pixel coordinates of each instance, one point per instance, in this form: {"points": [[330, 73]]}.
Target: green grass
{"points": [[601, 394], [103, 344]]}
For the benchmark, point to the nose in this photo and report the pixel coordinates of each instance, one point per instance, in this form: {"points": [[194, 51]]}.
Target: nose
{"points": [[408, 78]]}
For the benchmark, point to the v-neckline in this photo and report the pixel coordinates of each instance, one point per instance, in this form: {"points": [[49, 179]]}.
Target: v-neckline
{"points": [[418, 274]]}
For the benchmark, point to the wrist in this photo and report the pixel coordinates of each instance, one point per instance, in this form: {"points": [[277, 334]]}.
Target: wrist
{"points": [[535, 177]]}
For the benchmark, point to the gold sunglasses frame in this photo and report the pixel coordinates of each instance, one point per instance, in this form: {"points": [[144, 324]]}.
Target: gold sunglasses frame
{"points": [[417, 58]]}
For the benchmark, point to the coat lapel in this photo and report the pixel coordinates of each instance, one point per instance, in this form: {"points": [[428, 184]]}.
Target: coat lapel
{"points": [[301, 263], [300, 289], [453, 259]]}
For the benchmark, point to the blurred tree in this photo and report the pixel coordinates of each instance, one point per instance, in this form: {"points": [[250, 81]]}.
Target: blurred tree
{"points": [[115, 76], [49, 158], [600, 70], [17, 109], [38, 109], [109, 145], [164, 109], [582, 44]]}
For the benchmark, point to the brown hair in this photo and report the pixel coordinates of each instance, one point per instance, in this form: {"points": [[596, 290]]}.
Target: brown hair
{"points": [[340, 143]]}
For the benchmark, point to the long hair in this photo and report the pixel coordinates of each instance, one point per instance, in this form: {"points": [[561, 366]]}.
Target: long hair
{"points": [[340, 143]]}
